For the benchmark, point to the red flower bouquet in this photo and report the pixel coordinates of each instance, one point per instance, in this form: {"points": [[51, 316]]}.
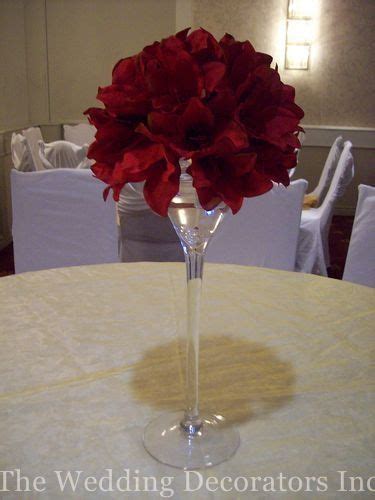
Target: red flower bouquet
{"points": [[219, 104]]}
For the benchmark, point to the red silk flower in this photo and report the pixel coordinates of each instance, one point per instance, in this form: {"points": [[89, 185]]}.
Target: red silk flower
{"points": [[219, 104]]}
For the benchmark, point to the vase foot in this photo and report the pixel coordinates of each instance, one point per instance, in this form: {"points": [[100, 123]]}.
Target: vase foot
{"points": [[165, 440]]}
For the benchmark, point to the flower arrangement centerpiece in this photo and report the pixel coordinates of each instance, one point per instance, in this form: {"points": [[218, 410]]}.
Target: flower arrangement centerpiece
{"points": [[202, 124], [219, 104]]}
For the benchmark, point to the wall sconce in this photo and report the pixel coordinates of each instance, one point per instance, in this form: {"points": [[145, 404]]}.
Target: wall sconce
{"points": [[299, 34]]}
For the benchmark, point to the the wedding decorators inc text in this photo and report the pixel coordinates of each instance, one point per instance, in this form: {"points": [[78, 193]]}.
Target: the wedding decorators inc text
{"points": [[133, 481]]}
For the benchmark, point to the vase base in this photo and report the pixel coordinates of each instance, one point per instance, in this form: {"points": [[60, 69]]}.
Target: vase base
{"points": [[166, 441]]}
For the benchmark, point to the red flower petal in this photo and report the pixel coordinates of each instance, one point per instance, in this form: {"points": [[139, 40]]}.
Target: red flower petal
{"points": [[125, 71], [182, 35], [232, 138], [173, 44], [156, 77], [196, 115], [184, 77], [112, 138], [102, 172], [222, 103], [138, 160], [204, 46], [124, 100], [97, 116], [256, 184], [163, 123], [208, 199], [161, 186], [213, 73], [222, 178], [241, 164]]}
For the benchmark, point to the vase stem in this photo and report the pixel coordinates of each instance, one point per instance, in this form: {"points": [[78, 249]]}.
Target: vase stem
{"points": [[191, 422], [192, 440]]}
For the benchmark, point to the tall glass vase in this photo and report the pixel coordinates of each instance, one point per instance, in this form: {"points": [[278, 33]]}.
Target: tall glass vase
{"points": [[189, 440]]}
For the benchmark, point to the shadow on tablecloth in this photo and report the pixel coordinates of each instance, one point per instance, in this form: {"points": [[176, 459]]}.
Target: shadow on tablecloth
{"points": [[238, 378]]}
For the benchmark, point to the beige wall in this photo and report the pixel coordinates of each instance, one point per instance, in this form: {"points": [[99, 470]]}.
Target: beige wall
{"points": [[13, 96], [37, 61], [13, 86], [87, 37], [339, 87], [57, 52]]}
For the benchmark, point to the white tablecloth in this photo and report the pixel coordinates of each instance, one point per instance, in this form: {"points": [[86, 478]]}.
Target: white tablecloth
{"points": [[90, 354]]}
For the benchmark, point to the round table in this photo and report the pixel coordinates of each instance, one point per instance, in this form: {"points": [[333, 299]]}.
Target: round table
{"points": [[90, 354]]}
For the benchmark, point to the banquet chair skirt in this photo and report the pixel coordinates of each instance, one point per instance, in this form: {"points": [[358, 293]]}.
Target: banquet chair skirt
{"points": [[63, 154], [312, 249], [21, 154], [315, 197], [145, 236], [33, 135], [360, 260], [60, 219], [264, 232]]}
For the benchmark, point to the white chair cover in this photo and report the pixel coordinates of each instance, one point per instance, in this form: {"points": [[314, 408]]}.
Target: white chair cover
{"points": [[21, 155], [60, 219], [83, 133], [301, 137], [312, 250], [144, 235], [291, 172], [328, 170], [63, 154], [131, 198], [264, 232], [33, 136], [360, 261]]}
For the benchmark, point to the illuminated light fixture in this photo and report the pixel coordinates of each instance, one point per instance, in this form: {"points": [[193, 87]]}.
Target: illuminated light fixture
{"points": [[300, 9], [297, 57], [299, 34]]}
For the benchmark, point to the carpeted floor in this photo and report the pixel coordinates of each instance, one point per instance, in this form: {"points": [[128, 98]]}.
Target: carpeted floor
{"points": [[6, 261], [339, 237]]}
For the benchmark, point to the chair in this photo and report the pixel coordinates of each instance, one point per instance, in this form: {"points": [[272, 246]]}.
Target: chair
{"points": [[21, 155], [312, 249], [33, 136], [60, 219], [144, 235], [63, 154], [291, 172], [301, 137], [314, 198], [264, 232], [80, 134], [360, 261]]}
